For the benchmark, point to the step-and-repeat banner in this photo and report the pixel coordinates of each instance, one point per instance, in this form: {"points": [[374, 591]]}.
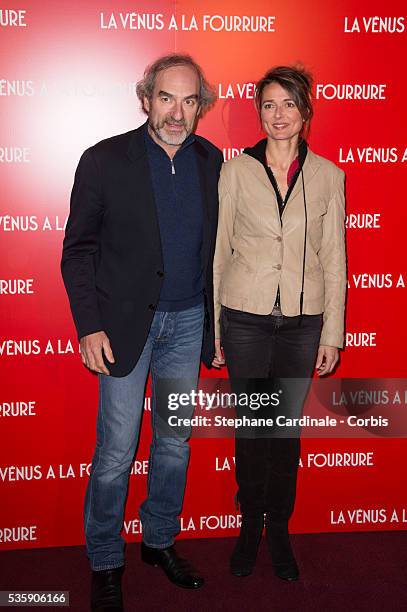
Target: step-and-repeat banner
{"points": [[68, 74]]}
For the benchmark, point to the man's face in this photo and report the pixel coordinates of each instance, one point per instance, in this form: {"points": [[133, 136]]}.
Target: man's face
{"points": [[174, 107]]}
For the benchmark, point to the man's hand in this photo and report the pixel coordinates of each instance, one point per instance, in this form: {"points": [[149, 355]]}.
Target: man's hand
{"points": [[91, 352], [328, 357], [219, 359]]}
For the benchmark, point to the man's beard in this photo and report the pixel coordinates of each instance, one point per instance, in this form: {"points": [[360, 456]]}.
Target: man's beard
{"points": [[174, 140]]}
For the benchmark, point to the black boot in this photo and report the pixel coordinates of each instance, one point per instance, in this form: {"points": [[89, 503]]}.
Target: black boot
{"points": [[244, 554], [278, 540], [106, 594], [177, 569]]}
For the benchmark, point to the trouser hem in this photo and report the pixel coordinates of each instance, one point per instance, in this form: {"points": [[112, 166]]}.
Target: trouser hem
{"points": [[107, 566], [158, 546]]}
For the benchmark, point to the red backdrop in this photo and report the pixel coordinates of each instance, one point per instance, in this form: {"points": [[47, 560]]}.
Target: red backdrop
{"points": [[67, 79]]}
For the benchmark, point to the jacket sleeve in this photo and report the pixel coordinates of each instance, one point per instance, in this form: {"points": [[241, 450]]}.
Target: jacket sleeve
{"points": [[223, 249], [332, 256], [81, 244]]}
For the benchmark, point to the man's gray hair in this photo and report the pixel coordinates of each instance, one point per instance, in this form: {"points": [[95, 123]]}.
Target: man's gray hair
{"points": [[145, 87]]}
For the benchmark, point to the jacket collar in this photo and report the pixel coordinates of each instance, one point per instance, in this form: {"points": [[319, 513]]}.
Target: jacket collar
{"points": [[137, 145], [259, 151], [255, 156]]}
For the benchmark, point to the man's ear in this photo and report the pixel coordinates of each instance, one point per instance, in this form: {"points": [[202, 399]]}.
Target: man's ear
{"points": [[198, 114], [146, 104]]}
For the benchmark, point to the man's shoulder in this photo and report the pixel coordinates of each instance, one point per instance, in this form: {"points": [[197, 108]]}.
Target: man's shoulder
{"points": [[210, 147], [117, 143], [115, 149]]}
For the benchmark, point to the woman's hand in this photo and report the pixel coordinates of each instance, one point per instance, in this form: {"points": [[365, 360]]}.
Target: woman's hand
{"points": [[328, 357], [219, 359]]}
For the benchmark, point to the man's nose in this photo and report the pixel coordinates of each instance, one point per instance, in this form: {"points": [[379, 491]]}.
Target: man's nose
{"points": [[177, 111]]}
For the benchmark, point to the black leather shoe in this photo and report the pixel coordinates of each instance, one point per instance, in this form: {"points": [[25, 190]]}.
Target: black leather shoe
{"points": [[278, 539], [244, 554], [177, 569], [106, 593]]}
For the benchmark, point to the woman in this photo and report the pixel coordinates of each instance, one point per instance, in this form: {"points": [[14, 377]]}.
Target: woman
{"points": [[280, 283]]}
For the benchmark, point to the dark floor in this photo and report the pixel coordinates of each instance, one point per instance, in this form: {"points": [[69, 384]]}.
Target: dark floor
{"points": [[339, 572]]}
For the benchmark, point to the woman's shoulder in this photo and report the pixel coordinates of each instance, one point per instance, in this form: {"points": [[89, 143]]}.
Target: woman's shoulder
{"points": [[249, 158], [241, 165], [326, 165], [237, 161]]}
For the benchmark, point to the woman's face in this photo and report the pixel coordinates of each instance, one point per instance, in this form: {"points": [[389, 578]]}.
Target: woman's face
{"points": [[280, 117]]}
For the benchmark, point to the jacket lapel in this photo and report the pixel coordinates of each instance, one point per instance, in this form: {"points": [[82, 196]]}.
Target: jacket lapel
{"points": [[259, 171], [202, 163], [140, 169], [310, 167]]}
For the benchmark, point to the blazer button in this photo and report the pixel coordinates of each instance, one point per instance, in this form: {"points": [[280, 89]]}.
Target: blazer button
{"points": [[160, 273], [279, 239], [278, 267], [151, 306]]}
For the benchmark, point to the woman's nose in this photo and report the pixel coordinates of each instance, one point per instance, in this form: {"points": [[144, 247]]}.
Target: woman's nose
{"points": [[278, 111]]}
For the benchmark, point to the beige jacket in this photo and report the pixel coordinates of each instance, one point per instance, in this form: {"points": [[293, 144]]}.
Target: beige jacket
{"points": [[256, 253]]}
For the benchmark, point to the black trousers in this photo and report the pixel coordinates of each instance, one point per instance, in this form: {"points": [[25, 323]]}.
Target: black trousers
{"points": [[263, 352]]}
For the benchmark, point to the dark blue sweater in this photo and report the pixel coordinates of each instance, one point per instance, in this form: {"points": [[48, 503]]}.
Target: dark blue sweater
{"points": [[178, 199]]}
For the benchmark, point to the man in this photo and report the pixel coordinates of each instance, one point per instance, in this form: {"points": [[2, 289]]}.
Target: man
{"points": [[137, 267]]}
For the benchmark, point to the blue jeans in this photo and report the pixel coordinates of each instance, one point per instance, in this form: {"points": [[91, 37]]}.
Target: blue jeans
{"points": [[172, 350]]}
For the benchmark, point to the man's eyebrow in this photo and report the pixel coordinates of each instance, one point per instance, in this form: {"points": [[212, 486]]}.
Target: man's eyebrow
{"points": [[169, 95]]}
